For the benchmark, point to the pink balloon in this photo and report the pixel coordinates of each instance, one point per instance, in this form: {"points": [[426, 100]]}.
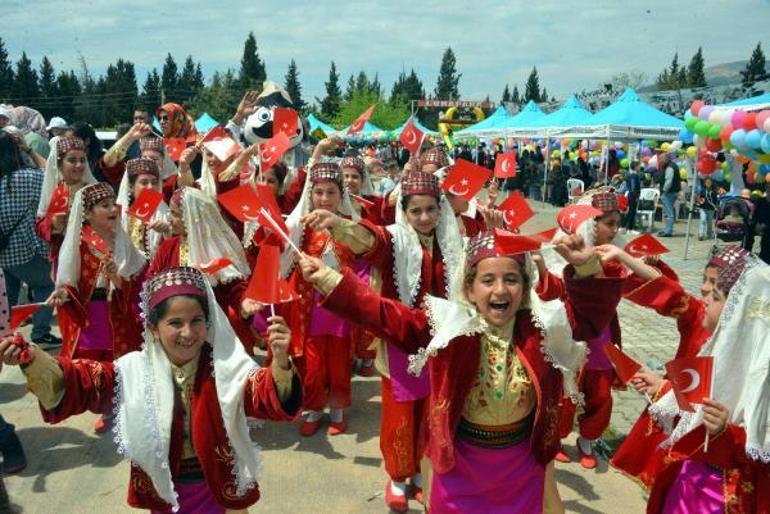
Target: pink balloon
{"points": [[767, 125], [738, 118], [762, 117], [705, 111]]}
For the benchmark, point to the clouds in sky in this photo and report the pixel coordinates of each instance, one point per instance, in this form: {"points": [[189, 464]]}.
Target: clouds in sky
{"points": [[575, 45]]}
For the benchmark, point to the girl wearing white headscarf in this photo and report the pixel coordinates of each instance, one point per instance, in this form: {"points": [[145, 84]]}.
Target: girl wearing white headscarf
{"points": [[181, 402]]}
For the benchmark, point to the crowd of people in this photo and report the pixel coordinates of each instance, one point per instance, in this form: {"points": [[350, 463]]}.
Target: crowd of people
{"points": [[486, 352]]}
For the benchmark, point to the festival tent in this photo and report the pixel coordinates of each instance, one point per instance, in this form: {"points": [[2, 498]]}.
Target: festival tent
{"points": [[316, 124], [488, 126], [627, 118], [528, 115], [571, 114], [205, 122], [754, 103], [422, 128]]}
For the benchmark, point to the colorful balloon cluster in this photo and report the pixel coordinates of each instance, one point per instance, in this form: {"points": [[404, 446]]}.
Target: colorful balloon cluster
{"points": [[715, 129]]}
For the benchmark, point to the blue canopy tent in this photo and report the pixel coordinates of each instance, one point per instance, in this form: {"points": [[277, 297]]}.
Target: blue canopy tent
{"points": [[571, 114], [205, 122], [316, 125], [526, 117], [422, 128], [370, 131], [489, 126], [754, 103]]}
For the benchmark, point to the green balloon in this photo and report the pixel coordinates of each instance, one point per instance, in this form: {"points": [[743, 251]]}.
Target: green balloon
{"points": [[725, 166], [690, 123], [727, 177], [702, 128], [624, 163], [714, 131]]}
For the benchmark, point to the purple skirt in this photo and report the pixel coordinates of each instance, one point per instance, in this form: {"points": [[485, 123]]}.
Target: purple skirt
{"points": [[698, 489], [194, 498], [486, 481], [98, 334]]}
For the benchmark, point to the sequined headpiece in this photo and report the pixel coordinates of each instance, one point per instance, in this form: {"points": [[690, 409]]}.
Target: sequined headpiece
{"points": [[326, 172], [152, 143], [606, 201], [434, 156], [174, 282], [69, 143], [354, 162], [95, 193], [482, 246], [733, 261], [142, 166], [419, 183]]}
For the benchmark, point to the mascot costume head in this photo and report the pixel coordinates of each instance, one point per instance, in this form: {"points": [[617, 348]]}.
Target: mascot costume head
{"points": [[259, 126]]}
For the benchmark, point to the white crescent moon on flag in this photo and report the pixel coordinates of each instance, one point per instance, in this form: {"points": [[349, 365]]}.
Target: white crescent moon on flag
{"points": [[506, 165], [250, 217], [505, 216], [411, 137], [144, 212], [458, 193], [695, 380], [633, 249]]}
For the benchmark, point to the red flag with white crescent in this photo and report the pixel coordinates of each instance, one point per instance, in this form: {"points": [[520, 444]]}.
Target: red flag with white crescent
{"points": [[272, 150], [645, 245], [625, 366], [20, 314], [516, 210], [174, 146], [263, 285], [145, 205], [59, 203], [505, 165], [358, 125], [214, 265], [242, 202], [92, 239], [285, 120], [690, 379], [572, 216], [411, 137], [217, 132], [466, 179], [508, 243]]}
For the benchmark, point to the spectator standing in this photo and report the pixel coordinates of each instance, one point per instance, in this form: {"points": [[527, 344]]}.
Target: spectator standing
{"points": [[669, 191], [707, 204]]}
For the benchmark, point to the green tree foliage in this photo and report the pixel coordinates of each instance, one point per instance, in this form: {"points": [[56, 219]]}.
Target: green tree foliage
{"points": [[48, 89], [252, 74], [169, 80], [695, 74], [388, 114], [506, 95], [151, 90], [408, 87], [25, 85], [190, 80], [6, 73], [532, 89], [293, 87], [755, 68], [330, 105], [220, 98], [515, 96], [68, 88], [447, 85]]}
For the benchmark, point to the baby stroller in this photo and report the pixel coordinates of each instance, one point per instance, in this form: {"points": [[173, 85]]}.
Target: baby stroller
{"points": [[732, 219]]}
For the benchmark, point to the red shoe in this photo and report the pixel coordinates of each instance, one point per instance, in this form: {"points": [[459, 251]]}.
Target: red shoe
{"points": [[562, 457], [337, 427], [395, 502], [102, 425], [367, 371], [587, 461], [308, 428]]}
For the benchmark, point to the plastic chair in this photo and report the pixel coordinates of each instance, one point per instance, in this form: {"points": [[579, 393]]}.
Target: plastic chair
{"points": [[575, 189], [652, 195]]}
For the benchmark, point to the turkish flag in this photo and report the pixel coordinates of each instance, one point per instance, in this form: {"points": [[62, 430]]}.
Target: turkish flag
{"points": [[358, 125], [572, 216], [272, 150], [92, 239], [546, 236], [263, 285], [361, 200], [217, 132], [625, 366], [691, 380], [644, 245], [285, 120], [411, 137], [505, 165], [508, 243], [516, 211], [286, 293], [466, 179], [269, 203], [145, 205], [20, 314], [214, 265], [242, 202], [60, 200], [174, 146], [222, 148], [622, 202]]}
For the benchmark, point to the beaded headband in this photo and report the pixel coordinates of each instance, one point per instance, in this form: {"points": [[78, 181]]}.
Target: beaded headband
{"points": [[419, 183], [482, 246], [325, 172], [69, 143], [95, 193], [734, 260], [354, 162], [152, 143], [142, 166], [174, 282]]}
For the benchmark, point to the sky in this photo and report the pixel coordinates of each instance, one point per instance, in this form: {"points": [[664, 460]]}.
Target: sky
{"points": [[575, 45]]}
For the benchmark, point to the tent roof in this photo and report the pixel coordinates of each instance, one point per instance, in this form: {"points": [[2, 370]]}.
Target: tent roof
{"points": [[750, 104], [570, 114], [630, 110], [205, 122], [369, 129], [315, 124], [493, 123], [526, 117]]}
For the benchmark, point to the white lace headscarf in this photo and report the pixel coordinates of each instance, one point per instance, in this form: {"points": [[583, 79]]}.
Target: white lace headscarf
{"points": [[154, 237], [210, 237], [305, 206], [740, 346], [144, 402], [124, 254], [53, 177], [457, 317]]}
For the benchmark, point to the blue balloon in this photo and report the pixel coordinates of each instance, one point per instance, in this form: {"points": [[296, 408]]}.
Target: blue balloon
{"points": [[765, 143], [685, 136], [753, 138], [738, 138], [765, 168], [620, 154]]}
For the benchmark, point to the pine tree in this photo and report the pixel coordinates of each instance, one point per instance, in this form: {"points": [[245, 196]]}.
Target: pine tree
{"points": [[189, 80], [515, 97], [330, 105], [544, 95], [169, 79], [25, 84], [532, 89], [68, 88], [350, 90], [48, 89], [120, 92], [294, 88], [151, 90], [252, 74], [407, 88], [695, 75], [362, 82], [447, 85], [375, 87], [198, 81], [755, 68], [6, 73], [506, 98]]}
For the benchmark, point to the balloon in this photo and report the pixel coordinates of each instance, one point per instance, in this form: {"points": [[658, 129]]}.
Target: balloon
{"points": [[653, 162], [724, 134], [715, 117], [753, 138], [738, 118], [737, 138], [683, 173], [690, 123], [624, 163], [691, 151], [620, 154], [646, 159], [767, 125], [718, 176], [705, 112], [725, 166], [762, 117], [702, 128], [706, 166], [676, 145], [751, 121], [727, 176], [714, 131], [665, 147], [646, 152], [696, 106], [765, 143]]}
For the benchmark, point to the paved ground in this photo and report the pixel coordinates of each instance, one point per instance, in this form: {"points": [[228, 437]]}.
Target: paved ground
{"points": [[73, 470]]}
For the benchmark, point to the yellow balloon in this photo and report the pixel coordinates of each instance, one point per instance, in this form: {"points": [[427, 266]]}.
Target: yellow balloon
{"points": [[665, 147], [682, 173], [691, 152]]}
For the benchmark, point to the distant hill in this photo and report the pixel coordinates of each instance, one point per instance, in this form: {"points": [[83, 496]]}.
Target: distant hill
{"points": [[724, 73]]}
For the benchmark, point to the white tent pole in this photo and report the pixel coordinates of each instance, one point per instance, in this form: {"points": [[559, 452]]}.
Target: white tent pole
{"points": [[693, 177]]}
